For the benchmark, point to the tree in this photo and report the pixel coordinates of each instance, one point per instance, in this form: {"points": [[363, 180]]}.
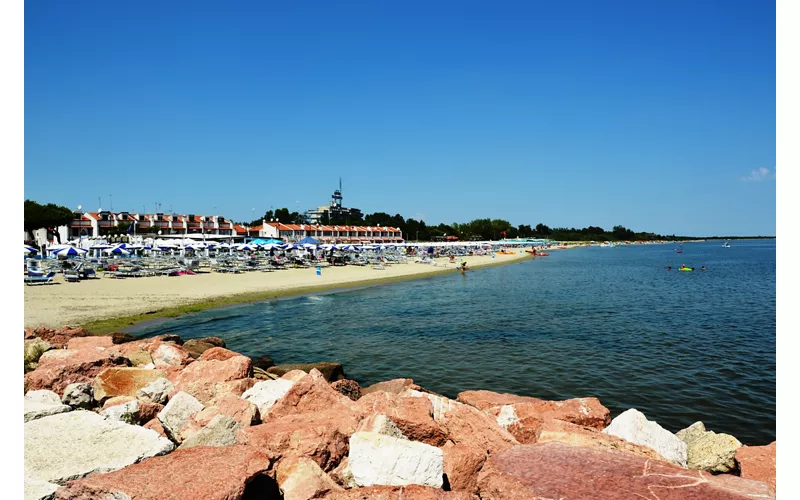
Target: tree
{"points": [[48, 216], [542, 230]]}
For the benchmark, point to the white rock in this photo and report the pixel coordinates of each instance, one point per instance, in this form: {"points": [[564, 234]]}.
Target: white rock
{"points": [[507, 416], [127, 412], [380, 424], [440, 404], [377, 459], [265, 394], [220, 431], [631, 425], [156, 391], [72, 445], [180, 408], [167, 355], [42, 403], [36, 489]]}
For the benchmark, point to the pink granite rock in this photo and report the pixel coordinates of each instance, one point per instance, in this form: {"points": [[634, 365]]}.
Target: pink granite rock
{"points": [[555, 470], [60, 367], [758, 462]]}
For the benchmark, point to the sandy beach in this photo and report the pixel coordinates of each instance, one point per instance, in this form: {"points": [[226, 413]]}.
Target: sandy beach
{"points": [[80, 304]]}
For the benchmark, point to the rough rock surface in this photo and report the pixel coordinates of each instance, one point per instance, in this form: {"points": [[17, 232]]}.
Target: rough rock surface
{"points": [[554, 470], [156, 391], [380, 424], [263, 362], [758, 462], [293, 375], [411, 492], [36, 489], [93, 341], [322, 437], [60, 367], [221, 431], [117, 400], [461, 465], [349, 388], [395, 386], [123, 381], [311, 394], [122, 337], [631, 425], [155, 424], [342, 474], [56, 338], [586, 412], [128, 412], [466, 424], [196, 347], [180, 408], [208, 378], [74, 444], [166, 354], [331, 371], [558, 431], [301, 478], [266, 393], [208, 473], [34, 348], [707, 450], [243, 412], [78, 396], [377, 459], [412, 415], [43, 403]]}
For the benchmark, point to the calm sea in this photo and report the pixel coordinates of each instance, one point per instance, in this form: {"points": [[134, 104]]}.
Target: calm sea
{"points": [[607, 322]]}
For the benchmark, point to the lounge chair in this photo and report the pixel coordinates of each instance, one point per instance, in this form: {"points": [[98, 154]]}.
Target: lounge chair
{"points": [[40, 280]]}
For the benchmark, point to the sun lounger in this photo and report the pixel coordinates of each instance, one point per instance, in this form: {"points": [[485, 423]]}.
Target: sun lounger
{"points": [[40, 280]]}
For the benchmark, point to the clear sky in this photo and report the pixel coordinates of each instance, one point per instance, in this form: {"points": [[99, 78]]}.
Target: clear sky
{"points": [[657, 115]]}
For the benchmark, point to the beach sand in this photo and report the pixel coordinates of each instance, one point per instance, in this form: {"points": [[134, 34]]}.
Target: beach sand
{"points": [[93, 301]]}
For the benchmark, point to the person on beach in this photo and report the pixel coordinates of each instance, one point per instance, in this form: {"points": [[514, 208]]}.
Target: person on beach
{"points": [[703, 268], [669, 268]]}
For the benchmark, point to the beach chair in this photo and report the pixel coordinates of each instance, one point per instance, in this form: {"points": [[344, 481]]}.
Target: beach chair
{"points": [[40, 280]]}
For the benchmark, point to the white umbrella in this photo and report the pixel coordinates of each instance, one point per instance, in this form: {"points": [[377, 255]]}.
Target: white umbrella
{"points": [[245, 246], [117, 250], [309, 245]]}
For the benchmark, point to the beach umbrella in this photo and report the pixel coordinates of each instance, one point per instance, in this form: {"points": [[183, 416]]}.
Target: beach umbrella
{"points": [[30, 250], [291, 246], [309, 245], [68, 251], [246, 247], [119, 250], [349, 247], [368, 247]]}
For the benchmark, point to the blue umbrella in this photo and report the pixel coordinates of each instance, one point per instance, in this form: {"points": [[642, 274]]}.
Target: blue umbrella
{"points": [[30, 249], [70, 251], [290, 247]]}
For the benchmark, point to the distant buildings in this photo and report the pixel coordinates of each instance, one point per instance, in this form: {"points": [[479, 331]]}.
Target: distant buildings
{"points": [[334, 211], [99, 224], [327, 233]]}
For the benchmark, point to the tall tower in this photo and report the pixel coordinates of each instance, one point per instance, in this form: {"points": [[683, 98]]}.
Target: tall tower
{"points": [[337, 197]]}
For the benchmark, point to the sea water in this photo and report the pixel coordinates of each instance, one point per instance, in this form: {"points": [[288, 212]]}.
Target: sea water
{"points": [[612, 323]]}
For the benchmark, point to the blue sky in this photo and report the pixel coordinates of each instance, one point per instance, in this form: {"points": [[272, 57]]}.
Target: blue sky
{"points": [[659, 116]]}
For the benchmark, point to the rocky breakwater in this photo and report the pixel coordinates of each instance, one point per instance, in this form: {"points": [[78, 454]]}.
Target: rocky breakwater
{"points": [[149, 419]]}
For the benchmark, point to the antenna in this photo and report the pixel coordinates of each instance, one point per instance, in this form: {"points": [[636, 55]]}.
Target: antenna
{"points": [[111, 202], [99, 203]]}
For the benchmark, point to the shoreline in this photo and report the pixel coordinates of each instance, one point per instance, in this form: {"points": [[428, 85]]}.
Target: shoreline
{"points": [[105, 305]]}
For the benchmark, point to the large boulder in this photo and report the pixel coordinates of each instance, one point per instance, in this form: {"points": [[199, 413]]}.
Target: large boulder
{"points": [[207, 378], [122, 381], [378, 459], [210, 473], [34, 348], [586, 412], [555, 470], [36, 489], [412, 415], [311, 394], [196, 347], [412, 491], [126, 412], [79, 396], [177, 412], [78, 443], [43, 403], [707, 450], [263, 362], [221, 431], [266, 393], [163, 352], [322, 437], [60, 367], [56, 338], [331, 371], [631, 425], [758, 462], [466, 424], [157, 391], [243, 412], [168, 354], [301, 478], [462, 462], [558, 431], [380, 424], [394, 386]]}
